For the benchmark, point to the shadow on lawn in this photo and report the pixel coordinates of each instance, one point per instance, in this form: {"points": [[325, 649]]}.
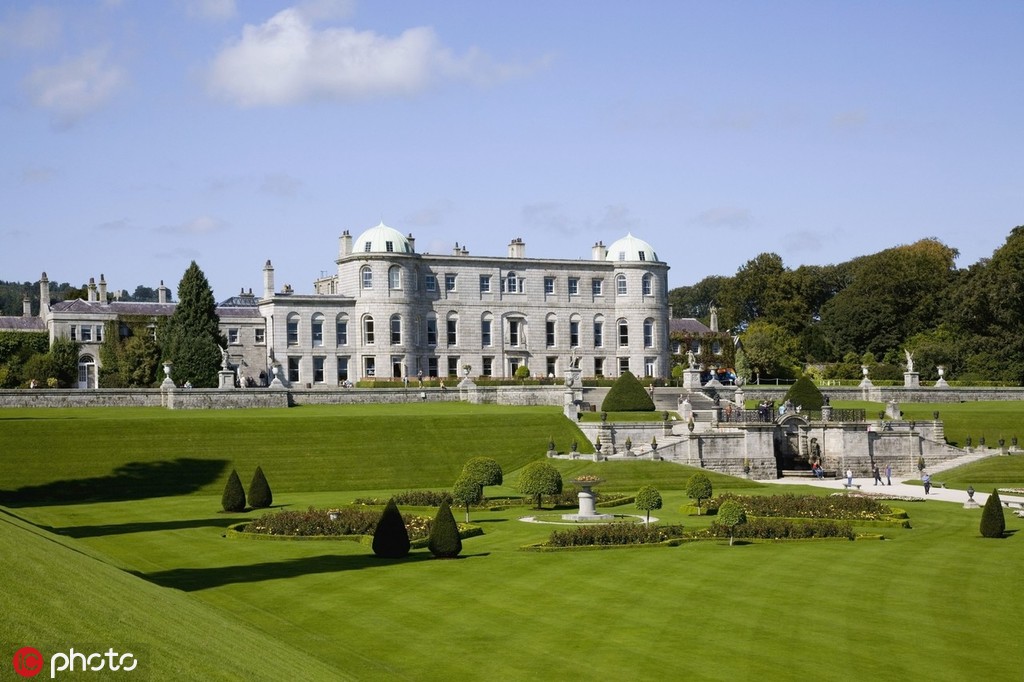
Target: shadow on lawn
{"points": [[194, 579], [143, 527], [132, 481]]}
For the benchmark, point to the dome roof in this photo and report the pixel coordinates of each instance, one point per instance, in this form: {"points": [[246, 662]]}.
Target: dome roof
{"points": [[631, 250], [381, 239]]}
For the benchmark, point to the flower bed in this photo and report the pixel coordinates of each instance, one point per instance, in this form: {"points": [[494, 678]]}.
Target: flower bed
{"points": [[779, 529], [847, 507], [614, 534], [411, 498], [331, 523]]}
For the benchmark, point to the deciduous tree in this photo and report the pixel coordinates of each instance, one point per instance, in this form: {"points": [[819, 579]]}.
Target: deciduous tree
{"points": [[540, 478]]}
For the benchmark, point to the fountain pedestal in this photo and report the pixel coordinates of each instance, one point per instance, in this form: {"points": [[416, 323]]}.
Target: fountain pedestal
{"points": [[587, 510]]}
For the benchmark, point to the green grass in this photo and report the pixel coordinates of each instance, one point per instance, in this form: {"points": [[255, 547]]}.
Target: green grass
{"points": [[152, 571]]}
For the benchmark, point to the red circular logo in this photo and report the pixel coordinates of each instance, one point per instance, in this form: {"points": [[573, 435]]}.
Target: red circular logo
{"points": [[28, 662]]}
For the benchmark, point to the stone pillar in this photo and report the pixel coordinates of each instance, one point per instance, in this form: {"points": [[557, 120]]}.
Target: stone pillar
{"points": [[586, 498], [911, 380], [268, 280], [691, 378]]}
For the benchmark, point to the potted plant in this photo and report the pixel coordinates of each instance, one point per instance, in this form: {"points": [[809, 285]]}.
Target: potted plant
{"points": [[654, 443], [574, 445], [629, 444], [746, 465]]}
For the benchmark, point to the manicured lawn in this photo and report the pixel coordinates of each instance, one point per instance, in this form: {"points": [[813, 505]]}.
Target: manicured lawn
{"points": [[932, 602]]}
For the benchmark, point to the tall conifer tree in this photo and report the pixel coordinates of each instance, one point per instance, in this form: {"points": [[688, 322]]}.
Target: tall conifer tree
{"points": [[193, 340]]}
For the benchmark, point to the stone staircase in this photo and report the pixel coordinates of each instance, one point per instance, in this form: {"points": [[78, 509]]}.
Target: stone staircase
{"points": [[966, 458]]}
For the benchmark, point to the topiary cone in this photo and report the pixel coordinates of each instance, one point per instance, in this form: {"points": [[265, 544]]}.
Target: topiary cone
{"points": [[260, 496], [233, 499]]}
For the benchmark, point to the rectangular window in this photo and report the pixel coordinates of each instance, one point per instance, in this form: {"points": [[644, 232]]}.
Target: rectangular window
{"points": [[389, 247], [318, 333], [318, 370], [293, 332], [648, 367], [598, 367], [370, 366], [342, 369], [431, 331], [342, 332], [430, 283], [485, 284], [549, 285], [646, 285], [549, 333], [574, 286], [452, 332], [293, 370], [453, 366], [368, 330], [574, 333], [396, 331], [431, 367], [620, 285], [648, 334], [74, 332], [260, 334], [449, 282], [86, 333], [623, 365], [642, 255], [513, 332], [551, 365], [485, 333], [488, 367], [99, 333], [623, 333], [232, 336], [513, 365], [367, 278], [367, 246], [597, 286], [599, 335]]}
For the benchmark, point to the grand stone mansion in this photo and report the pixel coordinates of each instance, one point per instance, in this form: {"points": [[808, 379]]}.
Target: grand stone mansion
{"points": [[392, 312]]}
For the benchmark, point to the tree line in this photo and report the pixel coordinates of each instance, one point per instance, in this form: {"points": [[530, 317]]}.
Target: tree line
{"points": [[831, 319]]}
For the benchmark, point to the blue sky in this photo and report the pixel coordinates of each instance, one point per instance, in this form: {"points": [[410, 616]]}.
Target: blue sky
{"points": [[138, 136]]}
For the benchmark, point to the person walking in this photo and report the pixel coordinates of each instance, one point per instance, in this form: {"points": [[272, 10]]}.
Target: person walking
{"points": [[849, 477], [877, 474], [927, 480], [888, 474]]}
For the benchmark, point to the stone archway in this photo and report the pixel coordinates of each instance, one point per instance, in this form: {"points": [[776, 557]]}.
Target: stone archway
{"points": [[789, 439]]}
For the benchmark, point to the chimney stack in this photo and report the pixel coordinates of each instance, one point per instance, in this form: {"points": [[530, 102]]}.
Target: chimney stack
{"points": [[599, 251], [344, 244], [517, 248], [92, 289], [26, 306], [44, 295], [161, 293], [103, 289], [268, 279]]}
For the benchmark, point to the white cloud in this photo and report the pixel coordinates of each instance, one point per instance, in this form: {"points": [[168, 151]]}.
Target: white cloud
{"points": [[551, 216], [286, 60], [75, 87], [119, 225], [36, 29], [202, 225], [724, 217], [430, 215], [211, 10], [280, 185]]}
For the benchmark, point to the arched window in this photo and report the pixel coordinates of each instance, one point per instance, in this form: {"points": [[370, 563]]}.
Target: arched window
{"points": [[317, 329], [452, 329], [511, 283], [648, 333], [574, 330], [486, 330], [341, 330], [366, 275], [620, 285], [395, 277], [623, 332], [396, 330], [647, 284], [431, 329], [292, 326], [598, 331], [550, 325], [367, 329]]}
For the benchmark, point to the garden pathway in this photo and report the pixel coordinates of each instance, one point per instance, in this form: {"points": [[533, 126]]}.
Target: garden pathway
{"points": [[901, 489]]}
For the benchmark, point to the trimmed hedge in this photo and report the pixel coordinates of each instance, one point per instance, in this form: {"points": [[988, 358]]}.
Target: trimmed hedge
{"points": [[233, 499], [805, 394], [260, 496], [627, 394], [780, 529], [444, 542], [411, 498], [993, 522], [850, 507], [390, 537]]}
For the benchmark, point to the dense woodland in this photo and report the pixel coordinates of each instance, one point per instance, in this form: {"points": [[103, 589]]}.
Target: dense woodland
{"points": [[830, 319]]}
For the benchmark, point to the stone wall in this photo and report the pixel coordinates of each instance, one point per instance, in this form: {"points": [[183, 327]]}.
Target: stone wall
{"points": [[76, 397]]}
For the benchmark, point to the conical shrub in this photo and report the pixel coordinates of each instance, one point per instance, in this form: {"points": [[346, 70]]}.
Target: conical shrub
{"points": [[233, 499], [260, 496], [444, 542], [805, 394], [993, 523], [391, 537], [627, 394]]}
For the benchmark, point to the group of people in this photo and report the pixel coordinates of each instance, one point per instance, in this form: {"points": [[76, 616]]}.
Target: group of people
{"points": [[877, 473]]}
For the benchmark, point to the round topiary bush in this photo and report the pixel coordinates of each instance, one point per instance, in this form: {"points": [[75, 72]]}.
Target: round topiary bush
{"points": [[540, 478], [484, 470], [627, 394], [993, 522], [444, 542], [698, 488], [805, 394], [260, 496], [233, 499], [391, 537]]}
